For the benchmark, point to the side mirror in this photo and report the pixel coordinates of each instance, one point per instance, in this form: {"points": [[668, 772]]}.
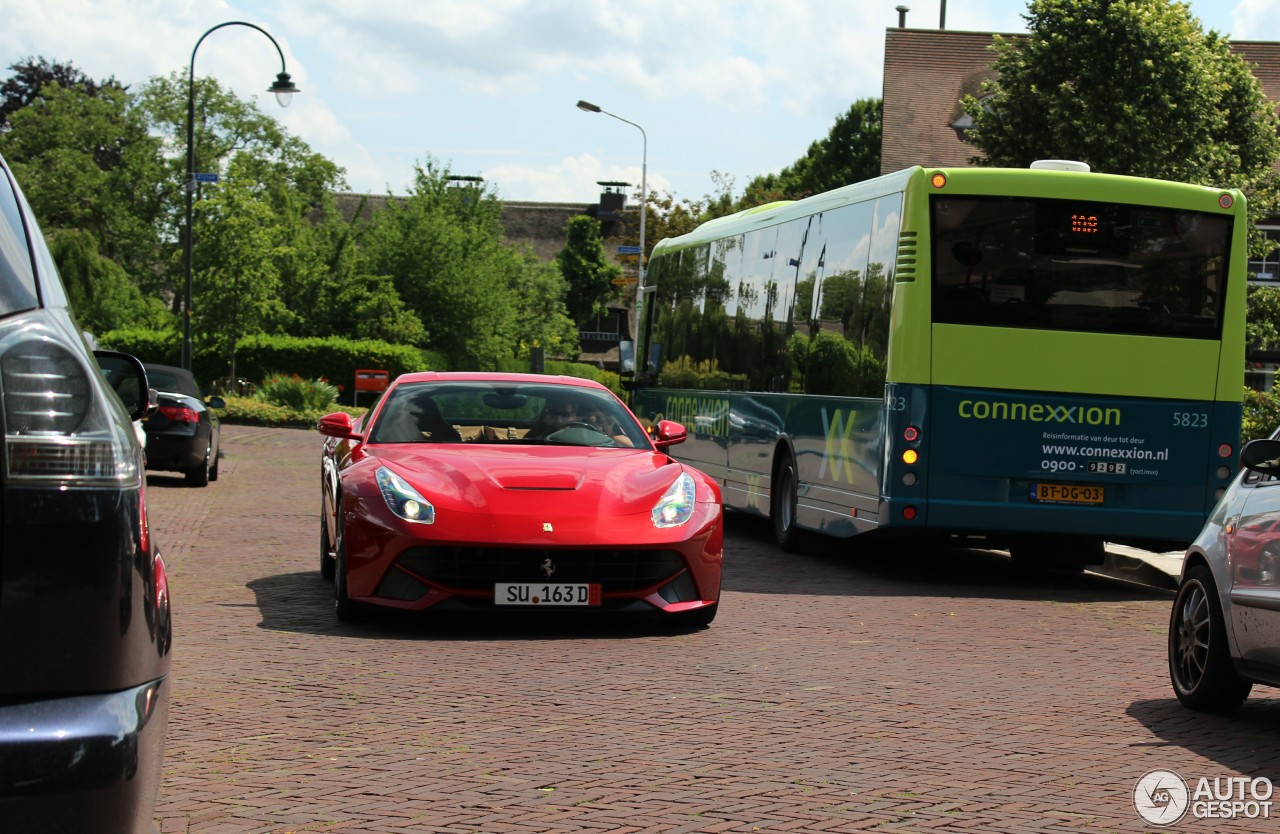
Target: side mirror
{"points": [[216, 402], [1261, 455], [668, 433], [126, 376], [339, 424]]}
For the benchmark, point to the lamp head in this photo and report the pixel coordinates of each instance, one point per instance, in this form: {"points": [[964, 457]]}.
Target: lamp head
{"points": [[588, 106], [284, 88]]}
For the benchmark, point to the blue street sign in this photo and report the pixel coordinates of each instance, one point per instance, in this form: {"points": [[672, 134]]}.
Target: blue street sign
{"points": [[628, 250], [206, 177]]}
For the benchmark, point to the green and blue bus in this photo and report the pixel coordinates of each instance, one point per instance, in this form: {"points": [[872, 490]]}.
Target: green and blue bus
{"points": [[1040, 359]]}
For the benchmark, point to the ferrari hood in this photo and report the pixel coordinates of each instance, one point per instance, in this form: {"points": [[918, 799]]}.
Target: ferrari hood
{"points": [[591, 481]]}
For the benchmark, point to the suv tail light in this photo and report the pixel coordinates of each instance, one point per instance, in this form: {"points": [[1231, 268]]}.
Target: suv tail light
{"points": [[56, 428]]}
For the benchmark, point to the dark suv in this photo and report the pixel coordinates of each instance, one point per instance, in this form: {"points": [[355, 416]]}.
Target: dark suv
{"points": [[84, 600]]}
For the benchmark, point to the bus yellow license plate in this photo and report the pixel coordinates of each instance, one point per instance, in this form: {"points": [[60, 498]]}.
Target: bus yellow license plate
{"points": [[1066, 494]]}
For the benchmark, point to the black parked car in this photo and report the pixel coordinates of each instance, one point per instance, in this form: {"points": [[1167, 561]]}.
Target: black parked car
{"points": [[84, 599], [182, 433]]}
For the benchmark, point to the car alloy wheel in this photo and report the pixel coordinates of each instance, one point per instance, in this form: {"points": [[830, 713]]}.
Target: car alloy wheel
{"points": [[346, 609], [1200, 667], [326, 547]]}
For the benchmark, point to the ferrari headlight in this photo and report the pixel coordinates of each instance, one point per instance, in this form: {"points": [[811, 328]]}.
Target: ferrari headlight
{"points": [[675, 507], [404, 500]]}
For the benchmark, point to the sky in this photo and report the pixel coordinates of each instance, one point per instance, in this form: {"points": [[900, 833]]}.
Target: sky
{"points": [[705, 94]]}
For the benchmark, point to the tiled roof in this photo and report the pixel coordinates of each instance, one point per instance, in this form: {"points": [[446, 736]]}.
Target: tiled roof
{"points": [[926, 71]]}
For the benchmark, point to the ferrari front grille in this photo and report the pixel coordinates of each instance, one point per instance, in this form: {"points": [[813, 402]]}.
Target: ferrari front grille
{"points": [[478, 568]]}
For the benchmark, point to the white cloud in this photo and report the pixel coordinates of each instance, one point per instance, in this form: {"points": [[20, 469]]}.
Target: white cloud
{"points": [[1256, 20], [572, 179]]}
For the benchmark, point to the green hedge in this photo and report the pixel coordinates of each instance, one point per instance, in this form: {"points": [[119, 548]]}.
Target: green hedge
{"points": [[333, 359]]}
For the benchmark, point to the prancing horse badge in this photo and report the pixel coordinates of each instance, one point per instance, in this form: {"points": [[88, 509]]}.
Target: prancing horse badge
{"points": [[546, 527]]}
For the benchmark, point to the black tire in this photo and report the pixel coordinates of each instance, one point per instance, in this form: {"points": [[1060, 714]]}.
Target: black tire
{"points": [[199, 476], [327, 561], [1200, 667], [213, 470], [782, 505], [346, 609]]}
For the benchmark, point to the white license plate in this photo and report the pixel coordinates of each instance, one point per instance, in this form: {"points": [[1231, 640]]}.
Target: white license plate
{"points": [[546, 593]]}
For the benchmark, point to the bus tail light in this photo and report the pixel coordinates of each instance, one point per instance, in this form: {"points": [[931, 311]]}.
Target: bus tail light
{"points": [[910, 456], [909, 513], [938, 179], [911, 434], [1225, 450]]}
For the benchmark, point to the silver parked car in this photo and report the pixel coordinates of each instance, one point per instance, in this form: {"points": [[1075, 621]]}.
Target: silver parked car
{"points": [[1224, 632]]}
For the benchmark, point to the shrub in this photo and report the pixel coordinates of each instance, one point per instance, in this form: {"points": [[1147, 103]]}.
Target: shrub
{"points": [[294, 392], [254, 412], [1261, 414]]}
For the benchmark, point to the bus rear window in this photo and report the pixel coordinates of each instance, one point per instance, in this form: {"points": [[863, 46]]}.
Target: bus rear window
{"points": [[1079, 265]]}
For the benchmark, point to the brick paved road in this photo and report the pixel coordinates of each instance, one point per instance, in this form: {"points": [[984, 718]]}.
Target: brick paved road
{"points": [[938, 692]]}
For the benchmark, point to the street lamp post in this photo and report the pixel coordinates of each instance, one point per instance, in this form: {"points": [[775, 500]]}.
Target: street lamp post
{"points": [[644, 189], [284, 89]]}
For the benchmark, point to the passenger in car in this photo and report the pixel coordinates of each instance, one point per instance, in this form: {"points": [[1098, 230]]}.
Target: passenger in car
{"points": [[432, 425]]}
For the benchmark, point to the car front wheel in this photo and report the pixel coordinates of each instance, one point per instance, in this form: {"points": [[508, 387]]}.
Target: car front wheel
{"points": [[347, 609], [326, 547], [1200, 666]]}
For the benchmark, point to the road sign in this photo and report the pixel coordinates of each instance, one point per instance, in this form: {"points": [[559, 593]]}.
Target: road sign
{"points": [[206, 177], [625, 280], [628, 250]]}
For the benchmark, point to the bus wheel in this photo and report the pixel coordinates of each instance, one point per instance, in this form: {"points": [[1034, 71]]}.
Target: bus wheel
{"points": [[782, 506]]}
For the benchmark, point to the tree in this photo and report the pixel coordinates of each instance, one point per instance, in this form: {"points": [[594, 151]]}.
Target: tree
{"points": [[31, 77], [443, 247], [87, 162], [329, 293], [98, 290], [543, 319], [587, 272], [294, 179], [1262, 330], [236, 284], [1176, 102]]}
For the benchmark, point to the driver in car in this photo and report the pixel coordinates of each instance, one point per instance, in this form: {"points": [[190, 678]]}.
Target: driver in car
{"points": [[557, 413]]}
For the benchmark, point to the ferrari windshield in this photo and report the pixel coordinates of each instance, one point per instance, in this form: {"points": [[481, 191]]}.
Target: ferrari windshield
{"points": [[484, 412]]}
